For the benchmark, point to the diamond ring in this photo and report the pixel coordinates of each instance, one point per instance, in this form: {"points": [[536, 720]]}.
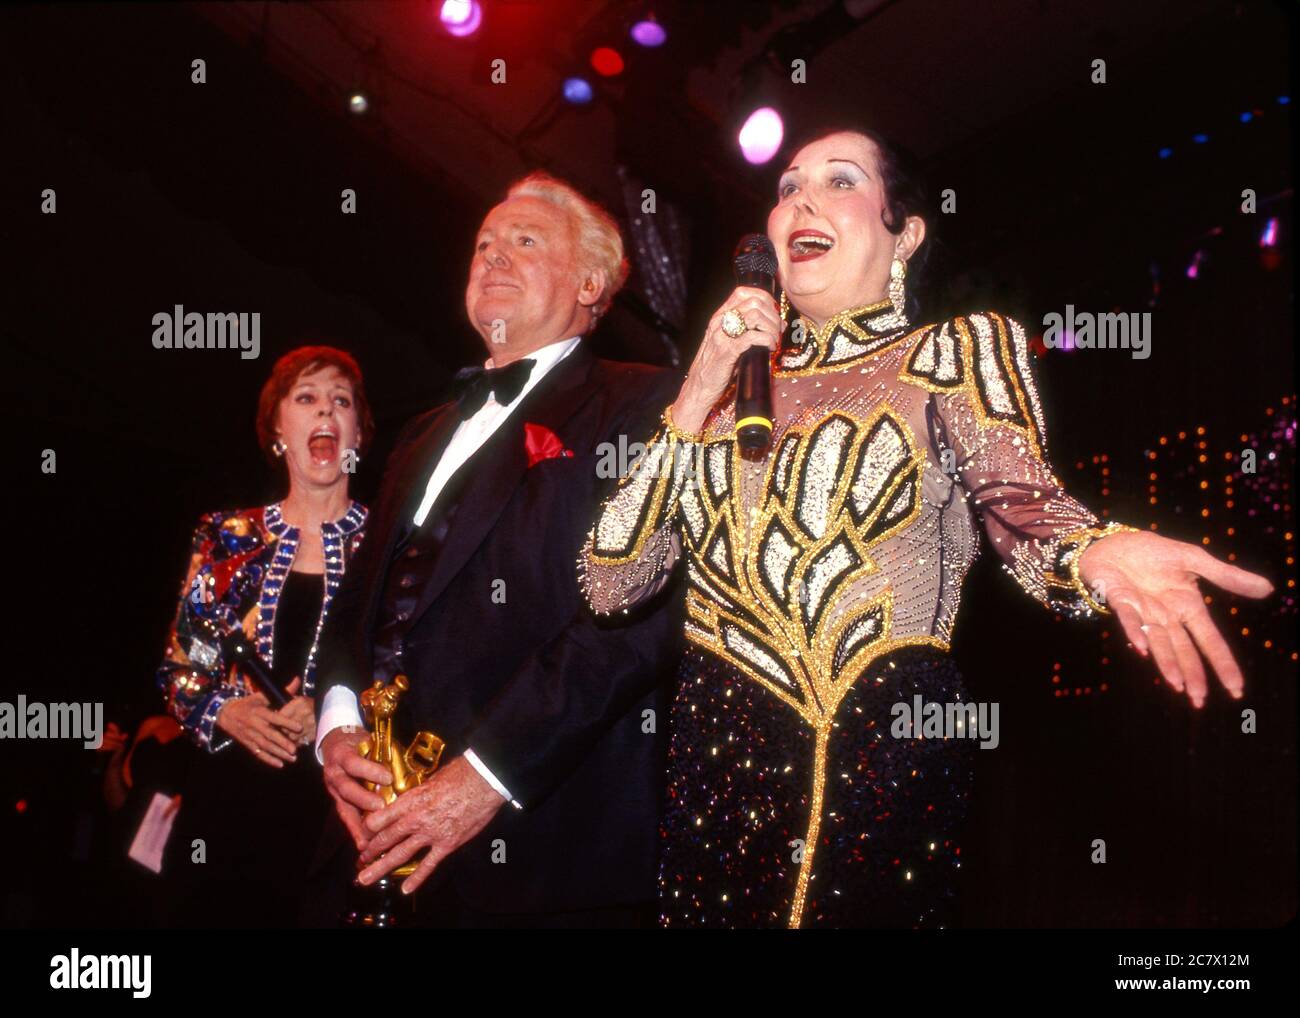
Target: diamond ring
{"points": [[733, 323]]}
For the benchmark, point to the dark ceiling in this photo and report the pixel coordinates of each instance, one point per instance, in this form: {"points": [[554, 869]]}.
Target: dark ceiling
{"points": [[933, 74]]}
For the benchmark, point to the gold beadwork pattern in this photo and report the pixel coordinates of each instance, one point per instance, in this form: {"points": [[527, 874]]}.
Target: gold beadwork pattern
{"points": [[778, 571], [647, 497], [986, 356], [845, 339]]}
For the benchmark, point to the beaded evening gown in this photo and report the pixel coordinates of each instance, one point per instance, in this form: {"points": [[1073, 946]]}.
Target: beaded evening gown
{"points": [[823, 580]]}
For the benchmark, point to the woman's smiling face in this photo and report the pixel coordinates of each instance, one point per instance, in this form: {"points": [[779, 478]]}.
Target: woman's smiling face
{"points": [[832, 245]]}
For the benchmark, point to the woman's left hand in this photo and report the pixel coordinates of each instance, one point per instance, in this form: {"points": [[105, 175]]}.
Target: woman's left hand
{"points": [[1149, 582], [301, 709]]}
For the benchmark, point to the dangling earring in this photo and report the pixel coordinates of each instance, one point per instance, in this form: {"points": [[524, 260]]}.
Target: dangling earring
{"points": [[278, 447], [898, 292]]}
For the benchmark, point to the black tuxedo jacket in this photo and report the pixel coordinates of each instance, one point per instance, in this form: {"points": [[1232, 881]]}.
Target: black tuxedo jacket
{"points": [[552, 700]]}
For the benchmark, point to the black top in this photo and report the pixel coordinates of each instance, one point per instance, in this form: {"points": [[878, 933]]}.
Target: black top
{"points": [[261, 824], [295, 624]]}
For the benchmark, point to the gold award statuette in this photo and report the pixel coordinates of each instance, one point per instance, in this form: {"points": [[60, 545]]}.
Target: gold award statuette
{"points": [[409, 766]]}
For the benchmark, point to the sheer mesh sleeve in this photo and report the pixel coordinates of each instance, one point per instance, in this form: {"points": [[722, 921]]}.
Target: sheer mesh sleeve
{"points": [[630, 552], [994, 424]]}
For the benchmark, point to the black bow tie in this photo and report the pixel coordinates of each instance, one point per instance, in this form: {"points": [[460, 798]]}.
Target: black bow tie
{"points": [[473, 385]]}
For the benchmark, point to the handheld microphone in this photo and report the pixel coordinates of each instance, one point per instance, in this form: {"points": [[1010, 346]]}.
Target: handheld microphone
{"points": [[236, 648], [755, 262]]}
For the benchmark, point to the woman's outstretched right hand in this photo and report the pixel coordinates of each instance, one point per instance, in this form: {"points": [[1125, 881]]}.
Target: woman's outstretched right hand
{"points": [[715, 361], [270, 735]]}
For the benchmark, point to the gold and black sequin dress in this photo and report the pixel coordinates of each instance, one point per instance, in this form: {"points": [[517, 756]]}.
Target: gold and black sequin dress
{"points": [[823, 581]]}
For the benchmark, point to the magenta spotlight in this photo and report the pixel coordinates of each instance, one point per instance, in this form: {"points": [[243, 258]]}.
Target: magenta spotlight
{"points": [[760, 138], [649, 32], [461, 17]]}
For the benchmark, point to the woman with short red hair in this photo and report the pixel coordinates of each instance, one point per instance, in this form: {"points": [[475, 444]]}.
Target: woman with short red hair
{"points": [[271, 573]]}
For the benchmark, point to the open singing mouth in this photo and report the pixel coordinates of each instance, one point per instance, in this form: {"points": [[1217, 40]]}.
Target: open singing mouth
{"points": [[808, 244]]}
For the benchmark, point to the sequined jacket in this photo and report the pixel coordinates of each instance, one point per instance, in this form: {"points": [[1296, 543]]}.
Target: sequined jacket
{"points": [[238, 564], [893, 448]]}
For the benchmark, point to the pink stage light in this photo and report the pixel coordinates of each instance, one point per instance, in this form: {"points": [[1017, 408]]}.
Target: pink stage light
{"points": [[461, 17], [760, 138]]}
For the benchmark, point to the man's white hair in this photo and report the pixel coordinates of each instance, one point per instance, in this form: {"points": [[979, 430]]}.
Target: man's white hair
{"points": [[600, 244]]}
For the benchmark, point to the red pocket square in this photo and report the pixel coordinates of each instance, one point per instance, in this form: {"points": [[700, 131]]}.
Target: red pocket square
{"points": [[542, 443]]}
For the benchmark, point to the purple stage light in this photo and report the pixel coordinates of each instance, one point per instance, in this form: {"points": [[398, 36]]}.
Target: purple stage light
{"points": [[649, 33]]}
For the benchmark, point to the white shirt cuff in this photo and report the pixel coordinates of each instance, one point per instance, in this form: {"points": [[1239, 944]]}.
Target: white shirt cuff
{"points": [[339, 708], [489, 777]]}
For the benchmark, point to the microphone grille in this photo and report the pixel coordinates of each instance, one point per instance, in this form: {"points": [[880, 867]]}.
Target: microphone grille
{"points": [[755, 255]]}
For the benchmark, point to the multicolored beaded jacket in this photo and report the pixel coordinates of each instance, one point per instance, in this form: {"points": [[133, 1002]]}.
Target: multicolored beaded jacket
{"points": [[238, 564], [852, 536]]}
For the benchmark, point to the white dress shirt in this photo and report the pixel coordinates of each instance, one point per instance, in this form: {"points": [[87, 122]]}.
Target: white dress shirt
{"points": [[339, 706]]}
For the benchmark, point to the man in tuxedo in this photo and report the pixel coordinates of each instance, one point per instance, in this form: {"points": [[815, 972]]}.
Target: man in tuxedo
{"points": [[545, 808]]}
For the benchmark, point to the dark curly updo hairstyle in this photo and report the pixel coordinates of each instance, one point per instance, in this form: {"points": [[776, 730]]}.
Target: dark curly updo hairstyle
{"points": [[906, 194]]}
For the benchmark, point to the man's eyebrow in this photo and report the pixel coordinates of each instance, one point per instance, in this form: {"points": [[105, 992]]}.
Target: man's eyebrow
{"points": [[514, 226]]}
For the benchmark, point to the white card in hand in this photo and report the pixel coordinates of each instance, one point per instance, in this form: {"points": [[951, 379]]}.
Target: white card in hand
{"points": [[155, 829]]}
